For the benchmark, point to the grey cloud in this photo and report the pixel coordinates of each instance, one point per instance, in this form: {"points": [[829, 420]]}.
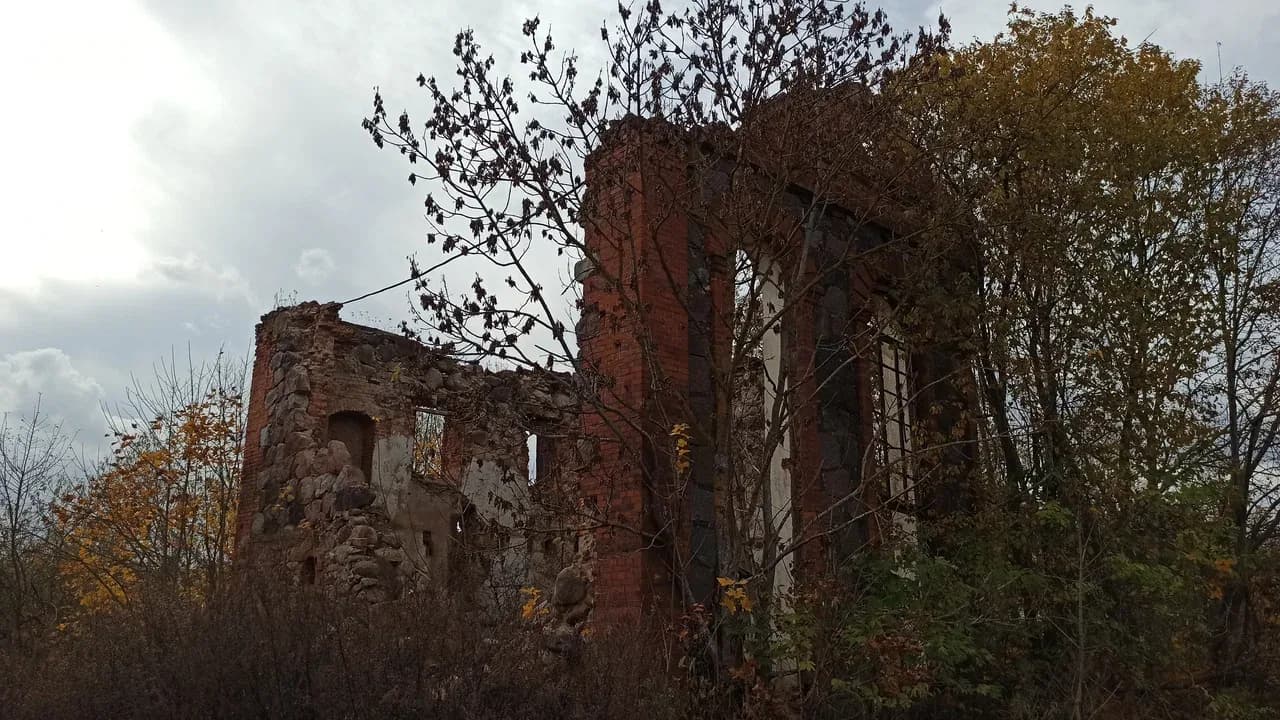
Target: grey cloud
{"points": [[113, 332], [274, 164], [48, 376], [223, 283]]}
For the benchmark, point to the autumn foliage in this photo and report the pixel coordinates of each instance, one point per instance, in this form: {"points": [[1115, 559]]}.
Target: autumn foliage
{"points": [[160, 511], [1115, 548]]}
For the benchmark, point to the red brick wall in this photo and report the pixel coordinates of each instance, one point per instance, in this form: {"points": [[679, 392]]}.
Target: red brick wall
{"points": [[806, 456], [640, 350], [257, 420]]}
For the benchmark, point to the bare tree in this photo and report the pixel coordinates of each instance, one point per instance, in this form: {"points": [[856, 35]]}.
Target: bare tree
{"points": [[33, 457], [769, 127]]}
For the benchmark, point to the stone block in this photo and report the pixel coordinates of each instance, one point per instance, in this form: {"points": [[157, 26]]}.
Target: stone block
{"points": [[364, 533], [340, 553], [295, 442], [297, 381], [564, 641], [353, 496], [571, 587], [285, 360], [302, 548], [390, 554], [290, 404], [306, 490], [339, 456], [350, 475], [320, 461], [290, 339], [303, 462], [433, 379]]}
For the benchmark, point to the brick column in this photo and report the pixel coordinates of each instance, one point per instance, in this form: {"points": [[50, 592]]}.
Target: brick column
{"points": [[635, 341]]}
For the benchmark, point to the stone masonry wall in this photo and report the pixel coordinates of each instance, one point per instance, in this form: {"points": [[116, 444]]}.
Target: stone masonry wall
{"points": [[361, 521]]}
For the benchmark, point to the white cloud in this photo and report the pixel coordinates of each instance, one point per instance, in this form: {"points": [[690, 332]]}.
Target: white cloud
{"points": [[78, 199], [64, 393], [153, 198], [198, 274], [315, 265]]}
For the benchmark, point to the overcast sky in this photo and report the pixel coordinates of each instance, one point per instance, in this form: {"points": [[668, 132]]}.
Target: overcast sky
{"points": [[169, 167]]}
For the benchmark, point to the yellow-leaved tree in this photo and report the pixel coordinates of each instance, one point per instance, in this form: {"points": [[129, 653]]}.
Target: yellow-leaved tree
{"points": [[1120, 217], [158, 514]]}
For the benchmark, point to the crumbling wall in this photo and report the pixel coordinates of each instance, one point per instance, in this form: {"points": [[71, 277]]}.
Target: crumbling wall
{"points": [[331, 494]]}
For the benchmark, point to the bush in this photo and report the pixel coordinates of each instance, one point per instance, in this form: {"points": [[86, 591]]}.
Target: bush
{"points": [[279, 654]]}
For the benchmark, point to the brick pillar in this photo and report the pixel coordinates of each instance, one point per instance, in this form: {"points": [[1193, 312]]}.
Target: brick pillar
{"points": [[808, 495], [833, 360], [635, 341]]}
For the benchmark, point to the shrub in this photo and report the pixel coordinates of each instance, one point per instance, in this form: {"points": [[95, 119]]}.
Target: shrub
{"points": [[266, 653]]}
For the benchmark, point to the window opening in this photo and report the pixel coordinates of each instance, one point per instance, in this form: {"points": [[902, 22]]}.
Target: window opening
{"points": [[892, 393], [309, 571], [531, 446], [355, 430], [428, 444], [427, 549]]}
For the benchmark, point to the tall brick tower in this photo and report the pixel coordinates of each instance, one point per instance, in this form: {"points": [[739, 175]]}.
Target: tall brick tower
{"points": [[650, 301]]}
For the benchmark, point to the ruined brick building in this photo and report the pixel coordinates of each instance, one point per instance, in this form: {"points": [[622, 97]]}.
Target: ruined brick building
{"points": [[355, 480], [376, 466]]}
